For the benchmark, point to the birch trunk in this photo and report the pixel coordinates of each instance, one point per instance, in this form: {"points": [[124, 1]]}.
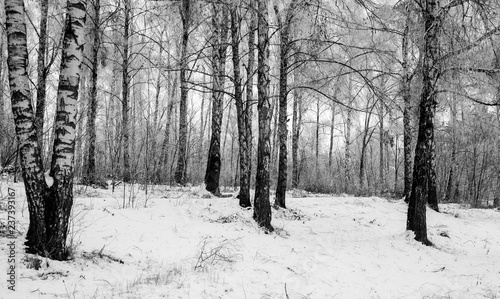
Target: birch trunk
{"points": [[367, 135], [49, 198], [262, 206], [181, 169], [156, 126], [58, 208], [31, 162], [250, 98], [166, 139], [283, 92], [423, 172], [348, 125], [332, 132], [407, 108], [219, 47], [296, 124], [242, 113], [448, 195], [316, 146], [497, 195], [2, 74], [202, 125], [90, 172], [381, 169], [126, 93], [42, 73]]}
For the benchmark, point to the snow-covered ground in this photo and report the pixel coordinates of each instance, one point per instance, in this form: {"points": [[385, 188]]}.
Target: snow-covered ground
{"points": [[184, 244]]}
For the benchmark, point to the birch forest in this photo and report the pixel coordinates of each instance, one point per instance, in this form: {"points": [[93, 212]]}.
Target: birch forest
{"points": [[252, 102]]}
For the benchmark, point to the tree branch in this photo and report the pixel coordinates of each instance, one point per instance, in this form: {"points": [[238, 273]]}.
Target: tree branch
{"points": [[468, 97], [472, 45]]}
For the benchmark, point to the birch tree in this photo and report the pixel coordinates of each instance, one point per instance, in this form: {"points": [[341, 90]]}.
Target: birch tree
{"points": [[243, 108], [126, 91], [405, 90], [92, 109], [296, 127], [219, 46], [50, 196], [262, 206], [181, 170], [423, 172], [284, 25], [2, 98]]}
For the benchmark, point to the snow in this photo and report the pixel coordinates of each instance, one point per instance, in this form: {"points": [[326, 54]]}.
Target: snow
{"points": [[48, 179], [187, 244]]}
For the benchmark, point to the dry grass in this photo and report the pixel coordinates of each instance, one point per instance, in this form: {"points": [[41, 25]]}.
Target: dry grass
{"points": [[212, 253]]}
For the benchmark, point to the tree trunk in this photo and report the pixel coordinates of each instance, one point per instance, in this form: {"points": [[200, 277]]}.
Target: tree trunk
{"points": [[347, 163], [114, 132], [242, 113], [423, 172], [396, 164], [2, 104], [219, 47], [496, 200], [135, 99], [296, 123], [381, 170], [22, 110], [42, 73], [316, 146], [407, 152], [226, 131], [156, 127], [90, 172], [497, 194], [283, 92], [2, 74], [496, 77], [273, 165], [58, 207], [405, 86], [165, 143], [126, 93], [432, 200], [181, 169], [448, 195], [202, 125], [364, 144], [262, 206], [50, 198], [166, 139], [332, 135], [249, 94]]}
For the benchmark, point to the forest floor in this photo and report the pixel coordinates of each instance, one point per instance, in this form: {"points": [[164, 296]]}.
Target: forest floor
{"points": [[186, 244]]}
